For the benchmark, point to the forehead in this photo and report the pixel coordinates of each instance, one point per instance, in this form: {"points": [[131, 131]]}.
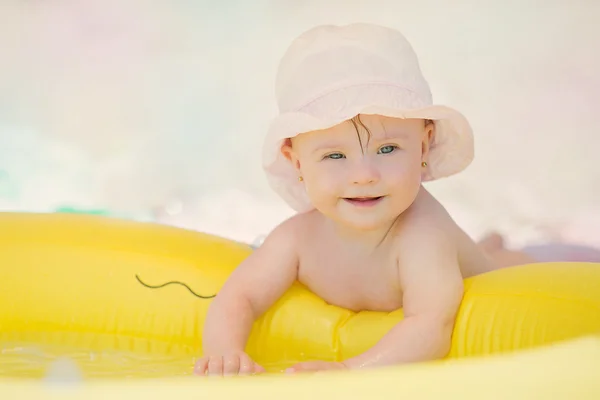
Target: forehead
{"points": [[379, 128]]}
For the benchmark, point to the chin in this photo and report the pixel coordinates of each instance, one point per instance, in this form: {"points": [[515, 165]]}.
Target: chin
{"points": [[371, 225], [365, 223]]}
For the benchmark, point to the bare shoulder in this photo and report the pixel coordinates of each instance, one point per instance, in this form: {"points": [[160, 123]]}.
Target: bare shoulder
{"points": [[293, 228], [425, 224], [287, 230], [426, 240], [428, 264], [429, 224], [427, 237], [289, 235]]}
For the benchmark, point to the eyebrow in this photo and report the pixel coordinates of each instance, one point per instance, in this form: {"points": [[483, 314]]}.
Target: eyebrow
{"points": [[326, 146]]}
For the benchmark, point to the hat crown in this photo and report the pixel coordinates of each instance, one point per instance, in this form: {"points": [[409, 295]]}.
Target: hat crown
{"points": [[328, 58]]}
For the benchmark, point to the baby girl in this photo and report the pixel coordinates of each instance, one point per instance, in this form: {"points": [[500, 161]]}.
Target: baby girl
{"points": [[356, 137]]}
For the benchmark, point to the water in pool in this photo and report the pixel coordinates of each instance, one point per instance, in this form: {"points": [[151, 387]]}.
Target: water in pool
{"points": [[68, 364], [29, 360]]}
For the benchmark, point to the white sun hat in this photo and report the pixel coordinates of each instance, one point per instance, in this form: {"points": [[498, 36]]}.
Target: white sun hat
{"points": [[330, 74]]}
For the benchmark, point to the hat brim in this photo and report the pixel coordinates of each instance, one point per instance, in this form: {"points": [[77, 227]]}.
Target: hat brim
{"points": [[451, 151]]}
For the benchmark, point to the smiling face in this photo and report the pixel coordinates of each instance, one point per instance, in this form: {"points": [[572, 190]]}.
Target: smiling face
{"points": [[364, 172]]}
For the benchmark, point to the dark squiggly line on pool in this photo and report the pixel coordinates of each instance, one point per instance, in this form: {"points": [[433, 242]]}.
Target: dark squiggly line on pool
{"points": [[174, 283]]}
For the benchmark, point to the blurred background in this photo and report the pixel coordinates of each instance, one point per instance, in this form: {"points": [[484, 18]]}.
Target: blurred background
{"points": [[155, 110]]}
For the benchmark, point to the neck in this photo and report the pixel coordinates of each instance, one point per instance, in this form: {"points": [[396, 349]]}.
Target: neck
{"points": [[362, 239]]}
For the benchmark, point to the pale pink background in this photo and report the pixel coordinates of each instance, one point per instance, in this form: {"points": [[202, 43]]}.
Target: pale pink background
{"points": [[155, 108]]}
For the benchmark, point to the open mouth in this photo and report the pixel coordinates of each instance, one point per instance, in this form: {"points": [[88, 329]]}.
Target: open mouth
{"points": [[363, 201]]}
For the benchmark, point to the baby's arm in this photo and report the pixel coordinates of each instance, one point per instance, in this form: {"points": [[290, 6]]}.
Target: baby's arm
{"points": [[250, 290], [430, 277]]}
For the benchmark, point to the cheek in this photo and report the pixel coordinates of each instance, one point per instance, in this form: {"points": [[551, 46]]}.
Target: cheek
{"points": [[404, 164], [404, 174], [322, 180]]}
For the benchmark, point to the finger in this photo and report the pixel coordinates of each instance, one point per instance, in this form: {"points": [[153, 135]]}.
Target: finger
{"points": [[300, 367], [258, 369], [246, 365], [231, 365], [215, 366], [310, 366], [292, 369], [321, 372], [306, 366], [201, 366]]}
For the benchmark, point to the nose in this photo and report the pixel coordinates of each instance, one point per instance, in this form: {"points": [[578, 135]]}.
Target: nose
{"points": [[364, 173]]}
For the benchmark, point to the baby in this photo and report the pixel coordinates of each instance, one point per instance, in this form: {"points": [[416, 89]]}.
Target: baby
{"points": [[357, 136]]}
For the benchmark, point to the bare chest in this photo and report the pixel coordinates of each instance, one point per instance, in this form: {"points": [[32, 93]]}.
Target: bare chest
{"points": [[351, 282]]}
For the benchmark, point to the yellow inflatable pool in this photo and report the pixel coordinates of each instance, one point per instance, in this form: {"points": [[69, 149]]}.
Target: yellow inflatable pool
{"points": [[106, 292]]}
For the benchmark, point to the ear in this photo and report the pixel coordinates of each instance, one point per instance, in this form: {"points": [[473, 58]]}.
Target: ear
{"points": [[288, 152], [428, 135]]}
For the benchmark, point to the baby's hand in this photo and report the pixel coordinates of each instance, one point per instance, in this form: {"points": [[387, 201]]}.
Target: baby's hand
{"points": [[232, 364], [315, 366]]}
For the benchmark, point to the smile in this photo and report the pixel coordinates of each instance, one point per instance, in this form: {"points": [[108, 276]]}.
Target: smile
{"points": [[363, 201]]}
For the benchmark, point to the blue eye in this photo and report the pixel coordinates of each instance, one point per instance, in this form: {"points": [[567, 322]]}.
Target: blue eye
{"points": [[387, 149], [335, 156]]}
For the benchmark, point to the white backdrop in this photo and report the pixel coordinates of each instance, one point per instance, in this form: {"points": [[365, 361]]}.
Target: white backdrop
{"points": [[159, 107]]}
